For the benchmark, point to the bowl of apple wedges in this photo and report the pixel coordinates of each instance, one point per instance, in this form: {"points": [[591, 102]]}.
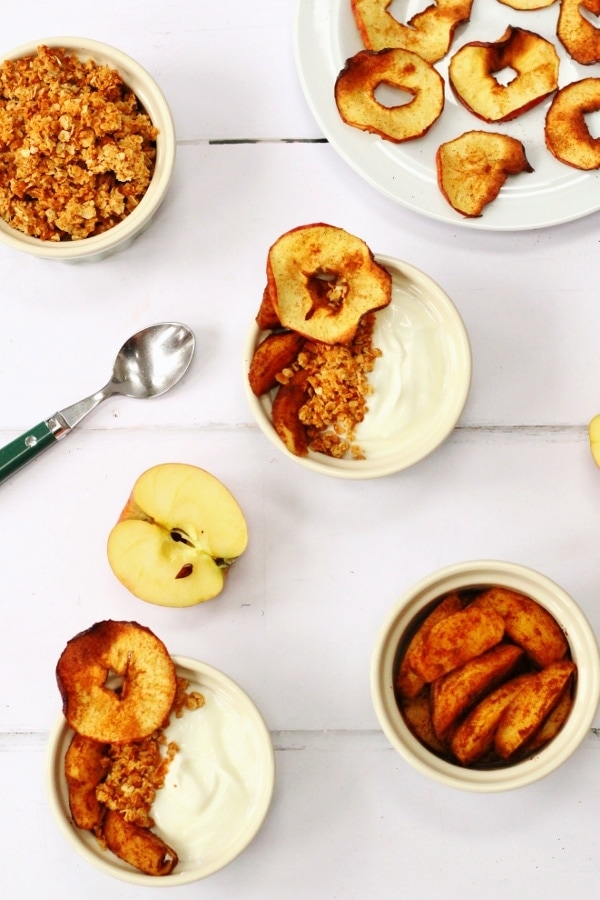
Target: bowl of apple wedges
{"points": [[485, 676]]}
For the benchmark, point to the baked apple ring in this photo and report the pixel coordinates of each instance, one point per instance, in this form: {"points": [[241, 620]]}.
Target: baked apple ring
{"points": [[323, 280], [579, 37], [139, 704], [567, 135], [366, 71], [473, 68], [428, 33], [472, 168]]}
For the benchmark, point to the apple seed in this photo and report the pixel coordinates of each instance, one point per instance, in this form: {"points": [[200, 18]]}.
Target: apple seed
{"points": [[185, 571]]}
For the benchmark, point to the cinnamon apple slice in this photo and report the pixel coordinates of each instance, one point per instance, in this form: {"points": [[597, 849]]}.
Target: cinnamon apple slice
{"points": [[473, 69], [472, 168]]}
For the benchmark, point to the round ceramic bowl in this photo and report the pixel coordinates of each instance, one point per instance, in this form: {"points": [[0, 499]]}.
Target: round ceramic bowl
{"points": [[412, 608], [152, 99], [220, 817], [421, 382]]}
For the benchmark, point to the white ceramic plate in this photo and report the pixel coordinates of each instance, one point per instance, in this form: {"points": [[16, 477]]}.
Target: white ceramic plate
{"points": [[326, 36], [420, 307], [225, 844]]}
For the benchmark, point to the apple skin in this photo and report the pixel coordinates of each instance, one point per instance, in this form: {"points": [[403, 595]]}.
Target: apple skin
{"points": [[178, 534], [594, 436]]}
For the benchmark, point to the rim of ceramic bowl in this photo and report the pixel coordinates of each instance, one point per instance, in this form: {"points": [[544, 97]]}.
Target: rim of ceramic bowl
{"points": [[582, 643], [201, 677], [150, 95], [458, 362]]}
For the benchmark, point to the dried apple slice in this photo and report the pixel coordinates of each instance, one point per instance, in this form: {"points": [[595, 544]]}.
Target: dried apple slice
{"points": [[579, 36], [566, 132], [323, 280], [472, 169], [473, 68], [126, 650], [428, 33], [364, 72]]}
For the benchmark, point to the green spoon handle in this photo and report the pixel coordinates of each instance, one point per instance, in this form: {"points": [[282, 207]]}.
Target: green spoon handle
{"points": [[26, 447]]}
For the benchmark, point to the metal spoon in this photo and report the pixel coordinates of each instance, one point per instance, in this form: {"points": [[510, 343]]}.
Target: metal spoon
{"points": [[148, 364]]}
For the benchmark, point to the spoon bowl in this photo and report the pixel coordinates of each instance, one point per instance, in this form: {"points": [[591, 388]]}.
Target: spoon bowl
{"points": [[148, 364]]}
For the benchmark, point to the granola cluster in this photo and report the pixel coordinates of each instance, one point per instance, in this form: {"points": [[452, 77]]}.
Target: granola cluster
{"points": [[337, 390], [136, 771], [77, 150]]}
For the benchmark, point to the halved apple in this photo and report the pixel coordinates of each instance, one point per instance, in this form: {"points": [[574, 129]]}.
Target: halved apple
{"points": [[594, 436], [180, 531]]}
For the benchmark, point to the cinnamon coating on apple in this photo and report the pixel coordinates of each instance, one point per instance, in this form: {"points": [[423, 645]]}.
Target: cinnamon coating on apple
{"points": [[486, 678], [473, 76]]}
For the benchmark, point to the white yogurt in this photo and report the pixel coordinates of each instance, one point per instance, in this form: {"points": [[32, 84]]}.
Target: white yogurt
{"points": [[408, 379], [211, 782]]}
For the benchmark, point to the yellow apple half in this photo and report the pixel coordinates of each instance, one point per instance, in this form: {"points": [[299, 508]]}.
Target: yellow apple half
{"points": [[178, 534], [594, 435]]}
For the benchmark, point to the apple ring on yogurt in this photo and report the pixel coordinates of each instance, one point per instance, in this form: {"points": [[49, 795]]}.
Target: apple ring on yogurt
{"points": [[137, 705], [367, 71]]}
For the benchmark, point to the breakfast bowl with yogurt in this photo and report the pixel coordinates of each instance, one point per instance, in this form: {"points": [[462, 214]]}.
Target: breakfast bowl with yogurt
{"points": [[87, 146], [214, 792], [409, 368]]}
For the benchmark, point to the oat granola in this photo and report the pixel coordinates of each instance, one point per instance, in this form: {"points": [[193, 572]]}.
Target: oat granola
{"points": [[338, 390], [136, 771], [77, 150]]}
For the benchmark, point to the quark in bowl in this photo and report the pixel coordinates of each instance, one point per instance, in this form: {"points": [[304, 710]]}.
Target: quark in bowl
{"points": [[218, 788], [420, 382]]}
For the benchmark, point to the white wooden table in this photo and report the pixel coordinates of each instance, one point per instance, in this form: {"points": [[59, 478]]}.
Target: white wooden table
{"points": [[327, 559]]}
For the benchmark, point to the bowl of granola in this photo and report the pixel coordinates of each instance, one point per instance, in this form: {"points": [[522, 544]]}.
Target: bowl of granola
{"points": [[189, 798], [87, 144], [381, 402]]}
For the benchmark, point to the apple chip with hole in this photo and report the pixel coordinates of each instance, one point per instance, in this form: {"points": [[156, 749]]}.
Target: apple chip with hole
{"points": [[578, 35], [472, 169], [366, 71], [475, 70], [323, 280], [566, 132], [429, 32]]}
